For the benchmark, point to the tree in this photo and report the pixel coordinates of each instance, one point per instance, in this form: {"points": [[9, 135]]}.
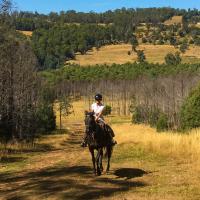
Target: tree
{"points": [[173, 59], [190, 111], [134, 42], [64, 107], [141, 56], [184, 46]]}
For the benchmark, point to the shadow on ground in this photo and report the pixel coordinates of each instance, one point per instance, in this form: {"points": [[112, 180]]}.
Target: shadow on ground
{"points": [[129, 173], [76, 182]]}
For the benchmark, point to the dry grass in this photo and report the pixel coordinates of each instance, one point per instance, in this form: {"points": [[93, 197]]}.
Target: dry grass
{"points": [[182, 146], [119, 54], [146, 165], [27, 33], [186, 146], [174, 20]]}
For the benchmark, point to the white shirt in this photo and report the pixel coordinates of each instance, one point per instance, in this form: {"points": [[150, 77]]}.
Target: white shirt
{"points": [[96, 108]]}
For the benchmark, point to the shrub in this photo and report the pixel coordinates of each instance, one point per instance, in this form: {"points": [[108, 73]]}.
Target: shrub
{"points": [[190, 111], [173, 59], [154, 116], [141, 56], [107, 110], [183, 47], [162, 123], [46, 118]]}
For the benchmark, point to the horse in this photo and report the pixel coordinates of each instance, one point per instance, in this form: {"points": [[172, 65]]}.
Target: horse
{"points": [[97, 139]]}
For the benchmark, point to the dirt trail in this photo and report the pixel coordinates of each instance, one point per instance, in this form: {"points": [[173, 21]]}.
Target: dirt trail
{"points": [[65, 172]]}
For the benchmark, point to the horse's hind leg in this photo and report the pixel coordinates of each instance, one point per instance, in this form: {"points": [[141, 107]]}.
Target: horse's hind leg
{"points": [[93, 160]]}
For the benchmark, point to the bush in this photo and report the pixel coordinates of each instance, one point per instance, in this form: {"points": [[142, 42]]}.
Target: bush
{"points": [[141, 56], [139, 115], [154, 116], [46, 118], [107, 110], [183, 47], [190, 111], [162, 123], [173, 59]]}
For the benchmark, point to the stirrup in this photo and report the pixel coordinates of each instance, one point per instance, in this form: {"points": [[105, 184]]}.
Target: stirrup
{"points": [[83, 144]]}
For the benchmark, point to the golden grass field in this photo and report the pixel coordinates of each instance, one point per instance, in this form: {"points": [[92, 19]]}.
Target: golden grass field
{"points": [[174, 20], [27, 33], [119, 54]]}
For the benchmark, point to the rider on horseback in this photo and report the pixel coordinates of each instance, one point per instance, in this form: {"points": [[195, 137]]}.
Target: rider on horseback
{"points": [[97, 108]]}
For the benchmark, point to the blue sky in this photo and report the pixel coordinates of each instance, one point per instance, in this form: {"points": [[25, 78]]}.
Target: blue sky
{"points": [[46, 6]]}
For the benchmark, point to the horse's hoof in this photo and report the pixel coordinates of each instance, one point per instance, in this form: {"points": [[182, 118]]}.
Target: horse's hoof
{"points": [[99, 173]]}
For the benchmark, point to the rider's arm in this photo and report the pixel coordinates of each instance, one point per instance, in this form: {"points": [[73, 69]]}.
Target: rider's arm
{"points": [[99, 115]]}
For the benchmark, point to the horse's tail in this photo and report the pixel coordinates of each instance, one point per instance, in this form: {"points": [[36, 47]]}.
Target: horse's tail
{"points": [[109, 150]]}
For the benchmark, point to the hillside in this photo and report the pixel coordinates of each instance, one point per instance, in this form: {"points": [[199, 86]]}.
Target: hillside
{"points": [[119, 54], [174, 20], [27, 33]]}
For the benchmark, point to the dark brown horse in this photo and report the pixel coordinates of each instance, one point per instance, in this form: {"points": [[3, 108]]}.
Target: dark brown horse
{"points": [[97, 139]]}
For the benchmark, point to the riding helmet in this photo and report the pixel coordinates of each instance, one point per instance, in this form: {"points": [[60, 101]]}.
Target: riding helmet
{"points": [[98, 97]]}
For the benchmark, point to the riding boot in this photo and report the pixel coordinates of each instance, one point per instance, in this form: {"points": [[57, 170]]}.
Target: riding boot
{"points": [[110, 134]]}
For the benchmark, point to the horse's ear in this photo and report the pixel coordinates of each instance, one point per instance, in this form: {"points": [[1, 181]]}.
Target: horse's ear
{"points": [[86, 112]]}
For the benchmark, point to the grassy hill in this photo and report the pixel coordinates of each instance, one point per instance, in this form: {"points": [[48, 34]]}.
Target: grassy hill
{"points": [[27, 33], [174, 20], [119, 54]]}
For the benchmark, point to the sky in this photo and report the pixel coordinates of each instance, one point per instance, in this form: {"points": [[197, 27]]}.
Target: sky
{"points": [[46, 6]]}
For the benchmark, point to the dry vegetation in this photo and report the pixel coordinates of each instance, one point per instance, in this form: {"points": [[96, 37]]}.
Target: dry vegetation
{"points": [[174, 20], [27, 33], [146, 165], [119, 54]]}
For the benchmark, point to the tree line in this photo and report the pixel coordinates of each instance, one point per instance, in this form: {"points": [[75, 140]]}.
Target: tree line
{"points": [[30, 21], [153, 93]]}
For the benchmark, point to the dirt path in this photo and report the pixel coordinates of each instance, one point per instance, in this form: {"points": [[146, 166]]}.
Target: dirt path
{"points": [[65, 172]]}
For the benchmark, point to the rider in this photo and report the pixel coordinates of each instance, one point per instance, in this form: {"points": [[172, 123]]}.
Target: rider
{"points": [[97, 108]]}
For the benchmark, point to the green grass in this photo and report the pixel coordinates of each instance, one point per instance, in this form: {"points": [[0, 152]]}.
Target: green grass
{"points": [[133, 152]]}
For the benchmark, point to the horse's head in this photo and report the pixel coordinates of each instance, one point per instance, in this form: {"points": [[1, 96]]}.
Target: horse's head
{"points": [[89, 121]]}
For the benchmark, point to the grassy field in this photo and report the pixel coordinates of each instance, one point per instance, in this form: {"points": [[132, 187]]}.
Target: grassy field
{"points": [[119, 54], [146, 165], [174, 20], [27, 33]]}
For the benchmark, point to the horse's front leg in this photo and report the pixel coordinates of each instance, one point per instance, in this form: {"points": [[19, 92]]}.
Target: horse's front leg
{"points": [[93, 159], [109, 152], [101, 160], [98, 162]]}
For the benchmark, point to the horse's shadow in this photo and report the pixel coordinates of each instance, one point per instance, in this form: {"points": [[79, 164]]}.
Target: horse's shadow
{"points": [[129, 173]]}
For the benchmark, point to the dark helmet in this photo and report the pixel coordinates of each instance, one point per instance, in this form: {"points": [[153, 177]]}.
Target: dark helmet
{"points": [[98, 97]]}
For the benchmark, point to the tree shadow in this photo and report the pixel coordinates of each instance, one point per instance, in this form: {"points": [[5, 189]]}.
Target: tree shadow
{"points": [[75, 182], [11, 159]]}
